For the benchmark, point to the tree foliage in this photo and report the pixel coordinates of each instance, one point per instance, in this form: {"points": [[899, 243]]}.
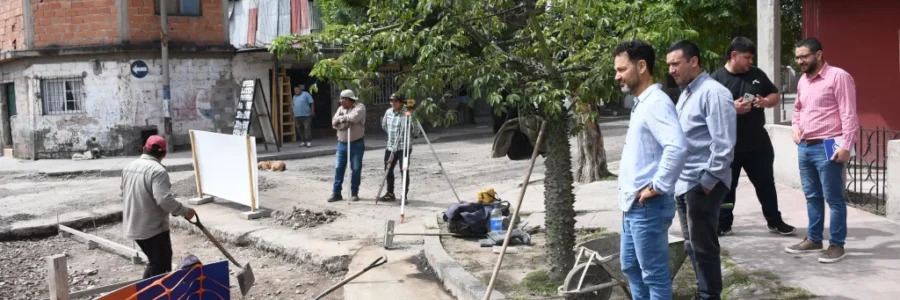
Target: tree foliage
{"points": [[527, 55]]}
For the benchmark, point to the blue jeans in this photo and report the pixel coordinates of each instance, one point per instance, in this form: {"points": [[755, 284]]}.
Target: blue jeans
{"points": [[357, 149], [823, 181], [645, 247]]}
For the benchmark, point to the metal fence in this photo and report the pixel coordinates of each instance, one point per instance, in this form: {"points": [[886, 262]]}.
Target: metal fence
{"points": [[866, 175]]}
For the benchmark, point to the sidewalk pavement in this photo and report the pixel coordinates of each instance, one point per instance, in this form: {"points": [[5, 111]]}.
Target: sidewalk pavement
{"points": [[873, 242], [183, 161]]}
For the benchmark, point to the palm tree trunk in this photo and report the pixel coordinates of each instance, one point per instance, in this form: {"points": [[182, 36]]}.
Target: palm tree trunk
{"points": [[559, 199]]}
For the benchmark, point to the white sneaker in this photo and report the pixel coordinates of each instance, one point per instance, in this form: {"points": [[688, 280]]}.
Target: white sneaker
{"points": [[308, 144]]}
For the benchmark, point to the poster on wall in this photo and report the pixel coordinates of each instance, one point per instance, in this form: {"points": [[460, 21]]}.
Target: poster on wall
{"points": [[252, 105]]}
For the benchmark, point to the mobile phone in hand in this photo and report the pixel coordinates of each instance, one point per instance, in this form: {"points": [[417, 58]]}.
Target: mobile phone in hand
{"points": [[748, 97]]}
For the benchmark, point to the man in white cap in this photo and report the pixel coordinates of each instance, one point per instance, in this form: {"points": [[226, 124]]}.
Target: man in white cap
{"points": [[350, 123]]}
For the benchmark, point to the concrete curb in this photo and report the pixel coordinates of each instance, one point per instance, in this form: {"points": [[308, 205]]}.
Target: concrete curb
{"points": [[272, 156], [457, 280], [48, 230], [331, 264]]}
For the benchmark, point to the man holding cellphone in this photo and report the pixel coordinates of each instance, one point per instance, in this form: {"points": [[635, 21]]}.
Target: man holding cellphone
{"points": [[753, 93]]}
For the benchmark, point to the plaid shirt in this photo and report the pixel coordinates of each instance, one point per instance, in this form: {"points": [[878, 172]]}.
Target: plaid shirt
{"points": [[392, 123]]}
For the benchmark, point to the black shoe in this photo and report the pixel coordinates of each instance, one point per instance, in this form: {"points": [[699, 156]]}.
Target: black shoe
{"points": [[387, 197], [354, 198], [781, 228], [335, 198], [724, 231]]}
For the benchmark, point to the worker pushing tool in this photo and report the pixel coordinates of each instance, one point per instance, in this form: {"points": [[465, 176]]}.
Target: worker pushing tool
{"points": [[350, 123], [148, 200]]}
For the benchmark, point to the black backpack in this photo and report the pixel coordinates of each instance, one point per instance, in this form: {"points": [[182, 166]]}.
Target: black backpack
{"points": [[475, 228]]}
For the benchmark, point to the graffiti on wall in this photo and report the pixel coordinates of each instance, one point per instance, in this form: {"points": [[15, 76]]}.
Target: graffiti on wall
{"points": [[192, 104]]}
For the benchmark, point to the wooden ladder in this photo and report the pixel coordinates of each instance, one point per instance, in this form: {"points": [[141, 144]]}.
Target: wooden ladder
{"points": [[282, 107], [287, 109]]}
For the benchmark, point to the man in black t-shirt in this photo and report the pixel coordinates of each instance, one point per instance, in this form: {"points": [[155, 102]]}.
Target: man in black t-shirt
{"points": [[753, 151]]}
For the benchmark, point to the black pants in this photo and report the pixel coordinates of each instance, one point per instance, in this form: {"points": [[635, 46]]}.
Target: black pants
{"points": [[159, 251], [398, 160], [758, 165], [698, 214]]}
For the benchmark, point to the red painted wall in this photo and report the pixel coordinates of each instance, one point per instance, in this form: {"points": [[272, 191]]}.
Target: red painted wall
{"points": [[862, 37]]}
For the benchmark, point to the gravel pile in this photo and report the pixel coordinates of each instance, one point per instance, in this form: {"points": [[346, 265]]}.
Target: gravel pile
{"points": [[304, 218], [23, 269]]}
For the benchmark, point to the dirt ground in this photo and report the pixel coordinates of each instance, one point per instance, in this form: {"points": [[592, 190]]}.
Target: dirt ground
{"points": [[480, 261], [23, 267]]}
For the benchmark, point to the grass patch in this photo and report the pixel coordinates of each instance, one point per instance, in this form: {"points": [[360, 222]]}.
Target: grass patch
{"points": [[583, 235], [734, 279], [538, 283]]}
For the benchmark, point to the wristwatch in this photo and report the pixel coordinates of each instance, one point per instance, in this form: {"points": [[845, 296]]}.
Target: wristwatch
{"points": [[650, 188]]}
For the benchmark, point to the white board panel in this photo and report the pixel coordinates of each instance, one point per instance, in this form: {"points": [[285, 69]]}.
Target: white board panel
{"points": [[224, 169]]}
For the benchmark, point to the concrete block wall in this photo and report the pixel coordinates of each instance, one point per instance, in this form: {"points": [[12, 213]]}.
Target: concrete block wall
{"points": [[12, 26], [75, 22], [118, 106], [787, 166], [206, 29], [893, 181]]}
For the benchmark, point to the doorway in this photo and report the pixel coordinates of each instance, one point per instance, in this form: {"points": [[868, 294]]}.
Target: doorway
{"points": [[8, 99], [322, 122]]}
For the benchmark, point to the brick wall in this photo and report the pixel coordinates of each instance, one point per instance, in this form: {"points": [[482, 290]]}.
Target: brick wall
{"points": [[206, 29], [12, 33], [74, 22]]}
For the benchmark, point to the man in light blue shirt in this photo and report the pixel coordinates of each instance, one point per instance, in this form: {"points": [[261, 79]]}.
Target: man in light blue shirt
{"points": [[651, 162], [304, 111], [707, 116]]}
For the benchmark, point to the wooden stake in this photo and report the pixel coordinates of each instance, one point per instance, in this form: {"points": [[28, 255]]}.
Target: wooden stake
{"points": [[515, 215], [196, 166], [250, 176], [58, 277]]}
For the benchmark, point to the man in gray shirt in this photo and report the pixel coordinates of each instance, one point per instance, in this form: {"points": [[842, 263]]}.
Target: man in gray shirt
{"points": [[148, 200], [708, 118]]}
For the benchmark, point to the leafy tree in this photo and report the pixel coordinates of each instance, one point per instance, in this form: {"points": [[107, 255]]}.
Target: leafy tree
{"points": [[524, 55]]}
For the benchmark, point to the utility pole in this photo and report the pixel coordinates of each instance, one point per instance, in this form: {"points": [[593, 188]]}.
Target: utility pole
{"points": [[167, 103]]}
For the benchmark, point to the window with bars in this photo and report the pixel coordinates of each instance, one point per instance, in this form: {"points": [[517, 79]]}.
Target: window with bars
{"points": [[387, 84], [180, 7], [63, 96]]}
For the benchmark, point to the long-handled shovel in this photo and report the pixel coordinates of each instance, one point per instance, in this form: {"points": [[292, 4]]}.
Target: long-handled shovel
{"points": [[378, 262], [244, 275]]}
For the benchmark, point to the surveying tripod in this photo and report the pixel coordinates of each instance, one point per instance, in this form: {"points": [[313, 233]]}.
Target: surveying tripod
{"points": [[406, 134]]}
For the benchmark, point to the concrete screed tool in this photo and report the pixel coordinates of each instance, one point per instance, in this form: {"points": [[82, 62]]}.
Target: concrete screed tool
{"points": [[244, 275], [389, 234]]}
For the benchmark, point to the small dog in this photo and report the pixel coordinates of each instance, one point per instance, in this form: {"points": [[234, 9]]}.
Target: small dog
{"points": [[272, 165]]}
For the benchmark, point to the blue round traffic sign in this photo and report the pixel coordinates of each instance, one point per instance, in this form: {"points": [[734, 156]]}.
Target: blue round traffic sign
{"points": [[139, 69]]}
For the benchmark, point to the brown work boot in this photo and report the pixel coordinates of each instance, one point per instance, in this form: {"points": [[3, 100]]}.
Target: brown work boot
{"points": [[806, 246], [834, 254]]}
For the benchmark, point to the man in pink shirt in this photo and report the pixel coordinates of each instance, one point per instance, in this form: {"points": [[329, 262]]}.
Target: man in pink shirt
{"points": [[825, 111]]}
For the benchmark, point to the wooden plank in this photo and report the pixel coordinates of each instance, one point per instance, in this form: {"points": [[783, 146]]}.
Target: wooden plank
{"points": [[196, 166], [250, 171], [58, 277], [106, 244], [102, 289]]}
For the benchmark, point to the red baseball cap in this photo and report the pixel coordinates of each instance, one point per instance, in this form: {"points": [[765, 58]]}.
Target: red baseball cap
{"points": [[157, 141]]}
